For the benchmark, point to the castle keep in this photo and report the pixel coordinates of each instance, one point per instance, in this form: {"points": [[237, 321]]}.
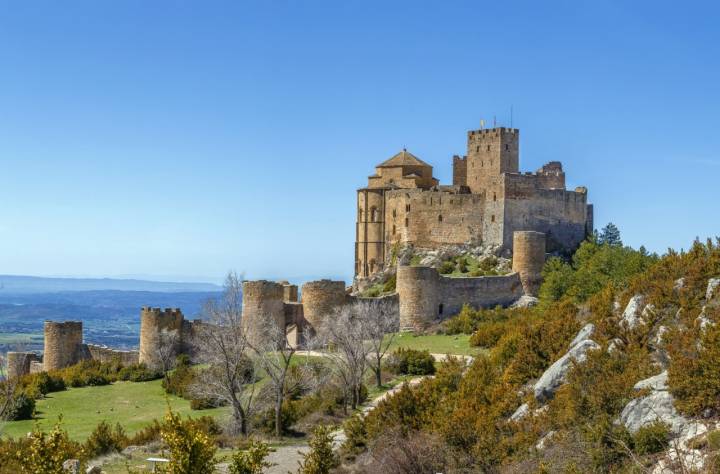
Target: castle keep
{"points": [[487, 202]]}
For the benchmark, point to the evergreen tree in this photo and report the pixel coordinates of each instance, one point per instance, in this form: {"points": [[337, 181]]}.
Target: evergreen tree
{"points": [[610, 235]]}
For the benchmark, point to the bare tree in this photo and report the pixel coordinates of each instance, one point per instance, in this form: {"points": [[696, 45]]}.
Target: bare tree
{"points": [[275, 357], [380, 322], [166, 351], [222, 343], [342, 334]]}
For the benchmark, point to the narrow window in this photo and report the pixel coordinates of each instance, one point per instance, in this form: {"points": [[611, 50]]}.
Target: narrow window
{"points": [[373, 214], [407, 207], [492, 218], [440, 309], [394, 212], [440, 218], [482, 164], [407, 221], [488, 148], [393, 230], [477, 149], [507, 147], [494, 196]]}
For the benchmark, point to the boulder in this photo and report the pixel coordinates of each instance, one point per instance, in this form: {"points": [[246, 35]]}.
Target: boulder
{"points": [[631, 316], [542, 444], [93, 470], [584, 334], [657, 406], [72, 466], [554, 376], [656, 382], [679, 284], [713, 288], [525, 301], [615, 345], [521, 412]]}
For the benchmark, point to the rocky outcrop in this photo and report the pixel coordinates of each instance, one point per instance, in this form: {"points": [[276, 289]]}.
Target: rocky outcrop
{"points": [[544, 389], [713, 289], [525, 301], [656, 406], [631, 316], [521, 412], [585, 333]]}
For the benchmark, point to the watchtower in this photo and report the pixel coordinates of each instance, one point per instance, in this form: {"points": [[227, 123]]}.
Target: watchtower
{"points": [[490, 153], [528, 259], [152, 322], [262, 305], [62, 344]]}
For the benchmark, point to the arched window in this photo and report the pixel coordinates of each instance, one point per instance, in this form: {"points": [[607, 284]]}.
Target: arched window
{"points": [[373, 214], [440, 218]]}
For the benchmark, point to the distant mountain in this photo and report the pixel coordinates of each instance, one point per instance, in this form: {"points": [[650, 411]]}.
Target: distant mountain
{"points": [[18, 284]]}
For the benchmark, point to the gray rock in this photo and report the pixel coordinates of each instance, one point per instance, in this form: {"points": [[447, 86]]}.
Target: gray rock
{"points": [[525, 301], [703, 320], [554, 376], [679, 284], [657, 406], [72, 466], [712, 288], [631, 316], [585, 333], [542, 444], [615, 345], [93, 470], [656, 382], [520, 413]]}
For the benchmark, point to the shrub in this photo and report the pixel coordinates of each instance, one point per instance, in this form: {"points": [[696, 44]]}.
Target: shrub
{"points": [[250, 460], [46, 452], [42, 383], [138, 373], [104, 439], [446, 268], [204, 403], [288, 417], [411, 362], [178, 381], [192, 451], [652, 438], [21, 407], [355, 435], [321, 458]]}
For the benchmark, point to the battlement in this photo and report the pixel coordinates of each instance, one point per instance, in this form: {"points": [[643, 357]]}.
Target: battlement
{"points": [[493, 131]]}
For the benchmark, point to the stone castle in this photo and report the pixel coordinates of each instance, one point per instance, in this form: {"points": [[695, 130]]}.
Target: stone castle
{"points": [[490, 203], [489, 200]]}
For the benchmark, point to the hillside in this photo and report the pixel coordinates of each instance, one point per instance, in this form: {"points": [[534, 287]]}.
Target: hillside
{"points": [[19, 284]]}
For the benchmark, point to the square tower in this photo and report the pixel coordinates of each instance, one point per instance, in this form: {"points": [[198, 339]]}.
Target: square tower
{"points": [[491, 152]]}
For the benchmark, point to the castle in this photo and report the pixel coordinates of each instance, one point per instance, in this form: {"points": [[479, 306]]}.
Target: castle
{"points": [[490, 202], [489, 199]]}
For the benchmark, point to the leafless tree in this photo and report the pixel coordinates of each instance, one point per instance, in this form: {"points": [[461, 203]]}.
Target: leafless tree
{"points": [[166, 350], [275, 356], [222, 343], [380, 322], [342, 335]]}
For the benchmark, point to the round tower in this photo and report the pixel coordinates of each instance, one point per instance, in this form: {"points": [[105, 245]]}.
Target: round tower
{"points": [[528, 259], [262, 302], [18, 364], [62, 344], [320, 298], [152, 322], [419, 291]]}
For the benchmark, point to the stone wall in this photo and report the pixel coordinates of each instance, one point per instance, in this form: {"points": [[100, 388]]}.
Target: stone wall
{"points": [[63, 342], [425, 296], [106, 354], [459, 171]]}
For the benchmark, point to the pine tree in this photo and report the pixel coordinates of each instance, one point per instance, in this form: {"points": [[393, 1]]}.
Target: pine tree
{"points": [[610, 235], [321, 458]]}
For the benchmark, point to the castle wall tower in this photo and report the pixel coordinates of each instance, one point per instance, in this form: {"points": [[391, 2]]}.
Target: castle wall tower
{"points": [[152, 322], [459, 171], [320, 298], [18, 364], [529, 258], [490, 153], [370, 231], [419, 291], [262, 302], [63, 342]]}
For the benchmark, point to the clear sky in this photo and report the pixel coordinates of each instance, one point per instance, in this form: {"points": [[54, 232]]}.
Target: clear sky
{"points": [[183, 139]]}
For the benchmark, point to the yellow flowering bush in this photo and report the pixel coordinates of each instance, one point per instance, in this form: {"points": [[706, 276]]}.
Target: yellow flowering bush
{"points": [[192, 451], [48, 451]]}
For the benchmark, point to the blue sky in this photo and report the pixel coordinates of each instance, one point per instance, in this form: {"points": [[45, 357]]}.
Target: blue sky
{"points": [[183, 139]]}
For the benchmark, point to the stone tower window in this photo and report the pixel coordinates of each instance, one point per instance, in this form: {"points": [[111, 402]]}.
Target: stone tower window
{"points": [[482, 164], [373, 214], [440, 218], [494, 196], [477, 149], [407, 207], [394, 213], [488, 148], [440, 309], [407, 222], [492, 218], [393, 230], [507, 147]]}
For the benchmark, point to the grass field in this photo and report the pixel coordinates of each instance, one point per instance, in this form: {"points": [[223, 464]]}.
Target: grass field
{"points": [[132, 404], [436, 344]]}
